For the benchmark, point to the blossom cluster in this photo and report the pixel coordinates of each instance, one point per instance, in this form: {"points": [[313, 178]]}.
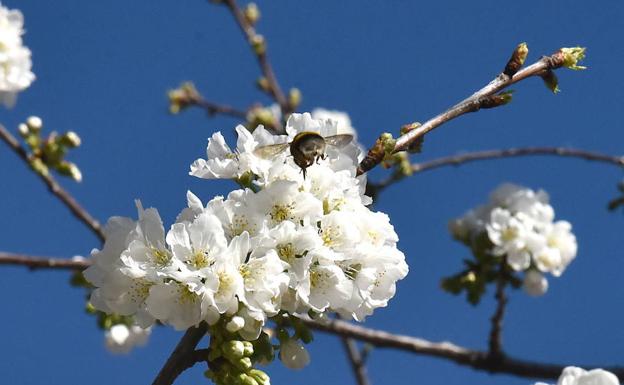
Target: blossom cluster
{"points": [[282, 243], [573, 375], [519, 225], [15, 63]]}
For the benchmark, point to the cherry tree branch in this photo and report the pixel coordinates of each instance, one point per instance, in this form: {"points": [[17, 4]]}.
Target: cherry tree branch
{"points": [[481, 98], [34, 263], [55, 188], [182, 357], [213, 108], [496, 338], [356, 360], [460, 159], [479, 360], [258, 46], [185, 356]]}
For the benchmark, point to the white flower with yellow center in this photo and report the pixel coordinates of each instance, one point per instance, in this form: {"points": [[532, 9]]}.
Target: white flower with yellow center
{"points": [[339, 232], [223, 163], [181, 304], [237, 213], [197, 244], [292, 244], [283, 201], [327, 286]]}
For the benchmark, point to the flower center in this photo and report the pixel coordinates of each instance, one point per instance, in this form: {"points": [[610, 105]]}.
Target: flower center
{"points": [[161, 257]]}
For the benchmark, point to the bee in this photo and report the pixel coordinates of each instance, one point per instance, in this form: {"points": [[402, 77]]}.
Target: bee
{"points": [[306, 148]]}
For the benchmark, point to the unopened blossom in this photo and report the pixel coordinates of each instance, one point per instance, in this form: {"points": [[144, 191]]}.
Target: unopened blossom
{"points": [[15, 62], [535, 284]]}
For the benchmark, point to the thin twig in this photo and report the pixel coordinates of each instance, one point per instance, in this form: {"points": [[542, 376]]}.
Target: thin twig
{"points": [[213, 108], [182, 357], [496, 337], [356, 361], [261, 55], [54, 187], [479, 360], [460, 159], [471, 104], [34, 263]]}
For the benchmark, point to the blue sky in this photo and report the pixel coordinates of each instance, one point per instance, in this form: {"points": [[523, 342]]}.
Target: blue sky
{"points": [[103, 69]]}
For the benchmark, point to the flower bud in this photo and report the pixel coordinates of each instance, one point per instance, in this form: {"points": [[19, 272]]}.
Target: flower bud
{"points": [[388, 142], [294, 98], [233, 350], [235, 324], [34, 123], [245, 379], [69, 169], [243, 363], [571, 57], [258, 44], [535, 284], [550, 81], [70, 139], [182, 97], [249, 349], [23, 130], [517, 59], [261, 377], [252, 13], [39, 167], [263, 83]]}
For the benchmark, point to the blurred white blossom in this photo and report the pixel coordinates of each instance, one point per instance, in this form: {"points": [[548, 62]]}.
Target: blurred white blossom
{"points": [[15, 63], [519, 224], [294, 355], [577, 376], [121, 339]]}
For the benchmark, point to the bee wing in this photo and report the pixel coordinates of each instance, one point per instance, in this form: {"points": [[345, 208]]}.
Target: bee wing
{"points": [[339, 140], [271, 150]]}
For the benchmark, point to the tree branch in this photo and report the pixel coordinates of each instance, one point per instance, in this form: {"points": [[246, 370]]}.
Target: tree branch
{"points": [[356, 361], [258, 46], [496, 338], [54, 187], [212, 108], [182, 357], [34, 263], [471, 104], [460, 159], [473, 358]]}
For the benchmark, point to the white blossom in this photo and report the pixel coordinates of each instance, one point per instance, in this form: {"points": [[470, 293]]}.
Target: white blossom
{"points": [[535, 284], [294, 355], [281, 244], [121, 339], [576, 376], [15, 62], [519, 224]]}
